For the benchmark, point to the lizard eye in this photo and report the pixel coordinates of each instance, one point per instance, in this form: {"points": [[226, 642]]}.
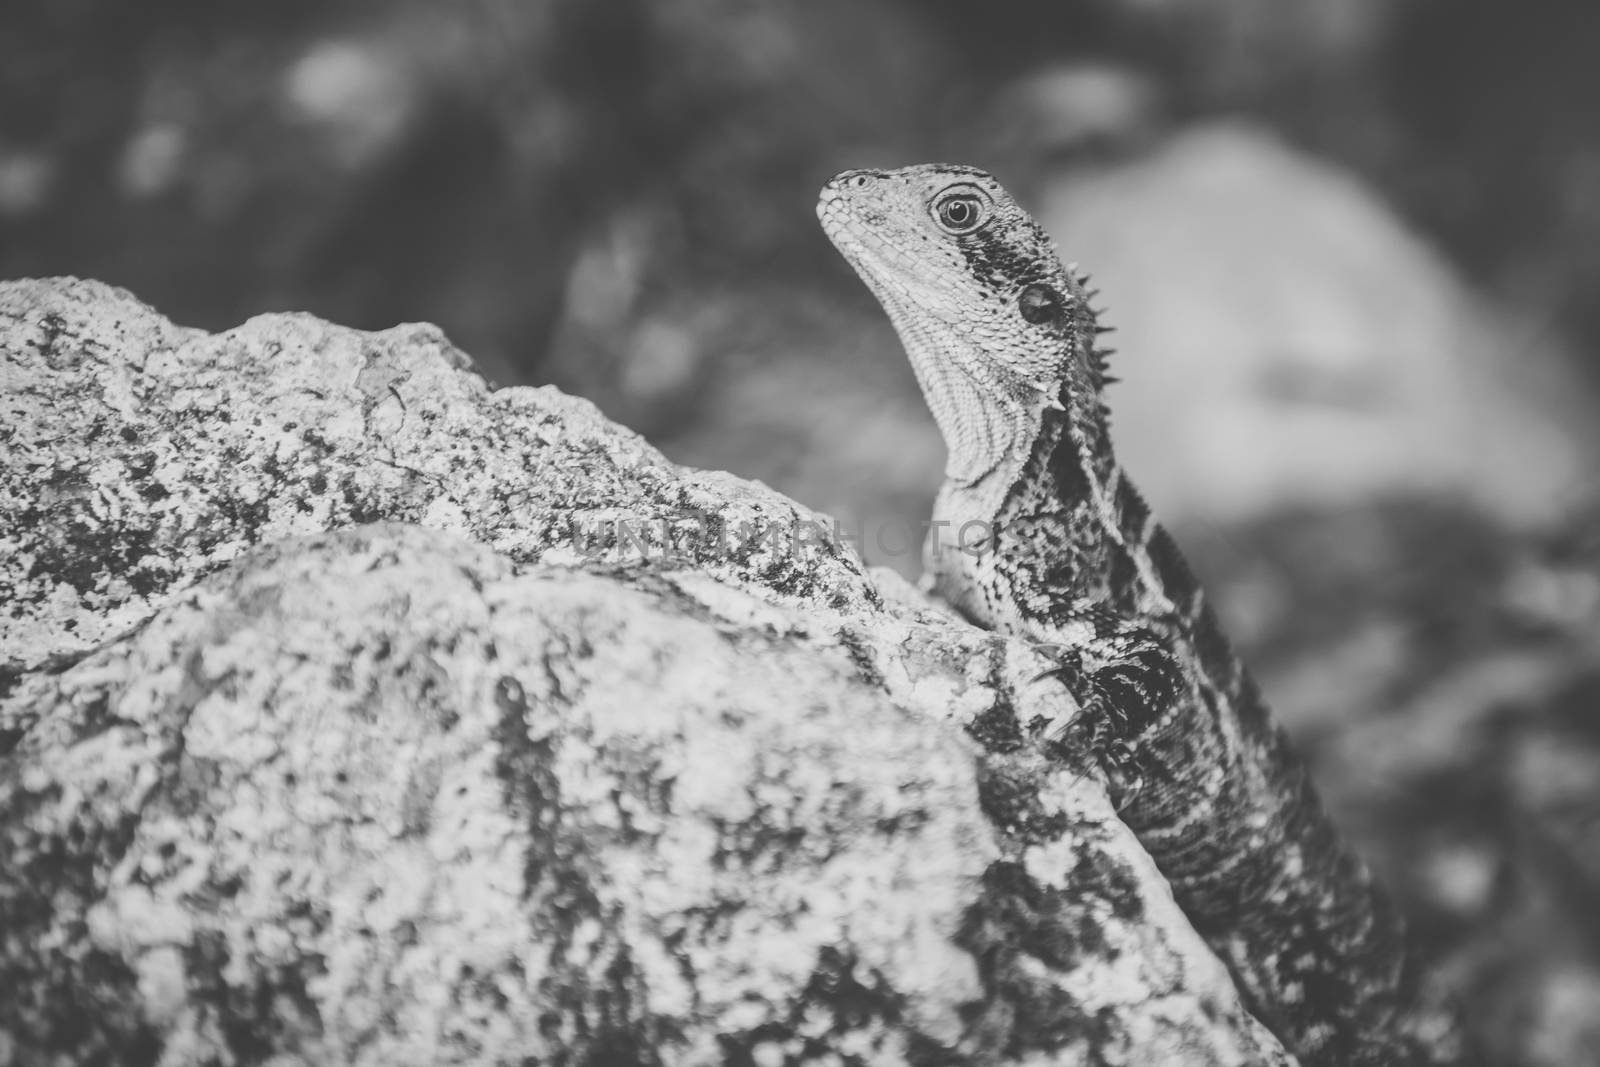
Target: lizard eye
{"points": [[1040, 304], [961, 209]]}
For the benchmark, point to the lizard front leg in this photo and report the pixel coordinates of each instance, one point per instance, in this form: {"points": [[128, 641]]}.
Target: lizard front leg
{"points": [[1124, 676], [1232, 821]]}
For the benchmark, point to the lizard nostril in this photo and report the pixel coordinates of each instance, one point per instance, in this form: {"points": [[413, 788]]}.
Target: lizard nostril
{"points": [[859, 181]]}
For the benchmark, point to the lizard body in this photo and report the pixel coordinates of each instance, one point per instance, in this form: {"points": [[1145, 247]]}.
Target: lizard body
{"points": [[1039, 533]]}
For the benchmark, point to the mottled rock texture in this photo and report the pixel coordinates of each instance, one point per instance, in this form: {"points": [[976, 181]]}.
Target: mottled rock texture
{"points": [[336, 727]]}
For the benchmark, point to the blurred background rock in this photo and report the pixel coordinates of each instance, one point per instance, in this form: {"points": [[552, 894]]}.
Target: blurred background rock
{"points": [[1351, 248]]}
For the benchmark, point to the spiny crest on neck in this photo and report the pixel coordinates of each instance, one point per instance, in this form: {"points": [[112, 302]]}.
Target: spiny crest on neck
{"points": [[1085, 418], [1099, 354]]}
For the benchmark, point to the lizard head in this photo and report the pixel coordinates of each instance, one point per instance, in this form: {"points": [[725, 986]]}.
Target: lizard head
{"points": [[997, 330]]}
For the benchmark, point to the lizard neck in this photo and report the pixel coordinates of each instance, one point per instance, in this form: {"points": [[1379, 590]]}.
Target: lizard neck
{"points": [[1054, 527]]}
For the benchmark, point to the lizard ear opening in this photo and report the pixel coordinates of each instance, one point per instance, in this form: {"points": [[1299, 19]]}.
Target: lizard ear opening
{"points": [[1040, 304]]}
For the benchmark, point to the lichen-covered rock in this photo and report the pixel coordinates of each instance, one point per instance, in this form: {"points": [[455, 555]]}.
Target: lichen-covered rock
{"points": [[326, 737], [140, 455]]}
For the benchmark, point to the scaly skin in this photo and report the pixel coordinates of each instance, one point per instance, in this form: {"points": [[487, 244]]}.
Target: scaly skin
{"points": [[1039, 533]]}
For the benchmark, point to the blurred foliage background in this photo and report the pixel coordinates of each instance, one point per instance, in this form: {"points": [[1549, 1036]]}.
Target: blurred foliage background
{"points": [[1352, 247]]}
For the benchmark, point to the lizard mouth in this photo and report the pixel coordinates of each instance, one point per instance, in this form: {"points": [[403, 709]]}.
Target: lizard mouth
{"points": [[845, 218], [844, 227], [835, 212], [854, 227], [856, 231]]}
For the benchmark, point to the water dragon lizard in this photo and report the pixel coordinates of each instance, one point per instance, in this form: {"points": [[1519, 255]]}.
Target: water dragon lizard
{"points": [[1039, 533]]}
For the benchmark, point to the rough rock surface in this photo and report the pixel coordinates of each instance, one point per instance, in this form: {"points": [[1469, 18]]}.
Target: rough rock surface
{"points": [[335, 729]]}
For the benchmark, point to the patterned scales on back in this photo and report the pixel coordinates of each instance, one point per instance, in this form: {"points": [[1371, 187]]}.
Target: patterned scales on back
{"points": [[1037, 532]]}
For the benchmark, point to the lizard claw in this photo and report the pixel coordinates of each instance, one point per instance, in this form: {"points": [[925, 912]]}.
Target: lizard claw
{"points": [[1051, 672]]}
